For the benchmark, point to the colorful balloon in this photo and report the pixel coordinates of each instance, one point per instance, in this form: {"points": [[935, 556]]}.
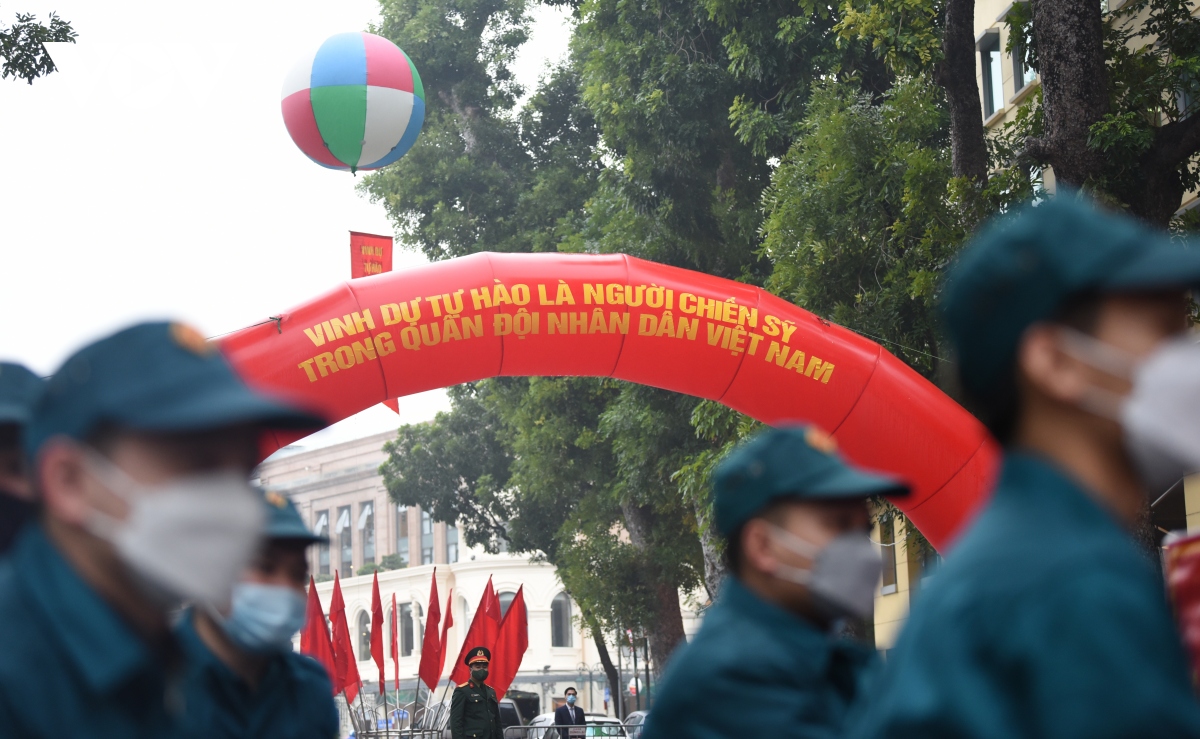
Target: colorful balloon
{"points": [[398, 333], [355, 103]]}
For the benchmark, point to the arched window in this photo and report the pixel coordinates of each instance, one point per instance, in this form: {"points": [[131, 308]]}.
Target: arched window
{"points": [[406, 630], [419, 625], [364, 636], [506, 599], [560, 621]]}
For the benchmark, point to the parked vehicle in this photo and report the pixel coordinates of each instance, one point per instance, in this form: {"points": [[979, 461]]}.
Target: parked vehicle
{"points": [[635, 722], [510, 716]]}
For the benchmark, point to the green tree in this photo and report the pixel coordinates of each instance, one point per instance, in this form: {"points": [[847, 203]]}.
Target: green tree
{"points": [[860, 220], [22, 49], [608, 521]]}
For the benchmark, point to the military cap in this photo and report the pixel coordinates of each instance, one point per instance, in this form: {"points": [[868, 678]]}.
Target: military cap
{"points": [[283, 520], [791, 462], [1022, 269], [19, 391], [478, 654], [161, 377]]}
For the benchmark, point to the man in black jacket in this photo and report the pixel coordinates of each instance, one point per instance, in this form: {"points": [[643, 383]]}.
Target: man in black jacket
{"points": [[569, 715]]}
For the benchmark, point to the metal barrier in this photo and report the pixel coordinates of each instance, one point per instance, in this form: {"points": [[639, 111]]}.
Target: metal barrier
{"points": [[418, 721], [548, 731]]}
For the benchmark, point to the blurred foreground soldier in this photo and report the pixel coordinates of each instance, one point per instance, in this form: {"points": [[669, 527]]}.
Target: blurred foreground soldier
{"points": [[474, 710], [1046, 620], [242, 677], [19, 390], [141, 447], [766, 661]]}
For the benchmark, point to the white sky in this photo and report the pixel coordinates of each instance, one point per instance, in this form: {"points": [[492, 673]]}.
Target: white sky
{"points": [[152, 177]]}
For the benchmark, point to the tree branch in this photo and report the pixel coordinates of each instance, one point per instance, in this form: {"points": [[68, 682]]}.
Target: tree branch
{"points": [[1176, 142]]}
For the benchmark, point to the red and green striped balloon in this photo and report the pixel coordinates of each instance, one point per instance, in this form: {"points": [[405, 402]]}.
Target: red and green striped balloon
{"points": [[355, 103]]}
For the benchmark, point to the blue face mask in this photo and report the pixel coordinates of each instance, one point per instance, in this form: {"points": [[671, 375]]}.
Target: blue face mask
{"points": [[264, 618], [570, 700]]}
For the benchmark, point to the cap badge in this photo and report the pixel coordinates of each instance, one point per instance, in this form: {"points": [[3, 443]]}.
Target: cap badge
{"points": [[276, 499], [191, 339], [821, 441]]}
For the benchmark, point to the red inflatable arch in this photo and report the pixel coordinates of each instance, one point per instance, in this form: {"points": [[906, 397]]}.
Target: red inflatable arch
{"points": [[486, 315]]}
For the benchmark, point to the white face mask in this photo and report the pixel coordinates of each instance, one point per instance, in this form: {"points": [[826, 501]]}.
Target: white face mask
{"points": [[844, 574], [1160, 417], [188, 539]]}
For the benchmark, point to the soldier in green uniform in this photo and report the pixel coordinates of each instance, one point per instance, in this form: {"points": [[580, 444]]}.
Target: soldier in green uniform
{"points": [[474, 710], [767, 660], [1070, 329]]}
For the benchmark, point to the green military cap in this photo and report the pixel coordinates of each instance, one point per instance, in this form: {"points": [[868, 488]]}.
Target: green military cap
{"points": [[477, 654], [154, 377], [793, 462], [283, 520], [19, 391], [1022, 268]]}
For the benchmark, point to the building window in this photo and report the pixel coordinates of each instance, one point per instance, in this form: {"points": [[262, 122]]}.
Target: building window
{"points": [[506, 599], [402, 533], [451, 543], [887, 541], [364, 636], [406, 630], [1022, 75], [320, 526], [560, 621], [923, 563], [426, 539], [366, 524], [345, 540], [993, 74]]}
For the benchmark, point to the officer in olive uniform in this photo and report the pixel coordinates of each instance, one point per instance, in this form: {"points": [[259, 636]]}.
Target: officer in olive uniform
{"points": [[767, 660], [474, 710], [1046, 620]]}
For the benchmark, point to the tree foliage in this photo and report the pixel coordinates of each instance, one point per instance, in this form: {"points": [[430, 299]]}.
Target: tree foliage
{"points": [[22, 49], [860, 221], [833, 153], [574, 471]]}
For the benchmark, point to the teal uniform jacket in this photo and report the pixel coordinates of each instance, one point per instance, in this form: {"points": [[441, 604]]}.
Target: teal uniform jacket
{"points": [[754, 669], [294, 698], [1045, 621], [69, 665]]}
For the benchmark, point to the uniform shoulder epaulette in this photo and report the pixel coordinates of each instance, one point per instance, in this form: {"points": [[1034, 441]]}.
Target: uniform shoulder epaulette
{"points": [[463, 685]]}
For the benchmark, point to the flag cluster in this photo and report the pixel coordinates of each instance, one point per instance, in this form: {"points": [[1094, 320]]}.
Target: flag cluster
{"points": [[507, 636]]}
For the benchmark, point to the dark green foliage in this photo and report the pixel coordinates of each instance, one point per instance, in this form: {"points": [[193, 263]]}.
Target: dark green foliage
{"points": [[484, 176], [454, 468], [21, 50], [860, 221]]}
